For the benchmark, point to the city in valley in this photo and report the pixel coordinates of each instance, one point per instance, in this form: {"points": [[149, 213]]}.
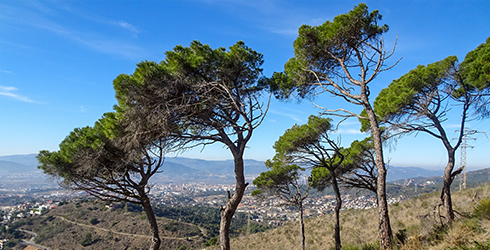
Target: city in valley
{"points": [[25, 202]]}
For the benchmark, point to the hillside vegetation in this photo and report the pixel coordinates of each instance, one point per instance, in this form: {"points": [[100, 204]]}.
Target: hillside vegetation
{"points": [[414, 221], [90, 224]]}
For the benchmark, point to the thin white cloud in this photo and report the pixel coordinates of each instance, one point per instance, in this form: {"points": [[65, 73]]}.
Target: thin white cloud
{"points": [[47, 20], [290, 115], [112, 47], [128, 27], [6, 71], [284, 31], [348, 131], [290, 28], [9, 91]]}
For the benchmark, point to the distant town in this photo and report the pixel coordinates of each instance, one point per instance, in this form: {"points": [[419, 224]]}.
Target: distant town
{"points": [[22, 203]]}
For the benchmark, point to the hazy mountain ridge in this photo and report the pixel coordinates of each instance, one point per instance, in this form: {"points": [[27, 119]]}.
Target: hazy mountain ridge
{"points": [[401, 173], [182, 169], [9, 167]]}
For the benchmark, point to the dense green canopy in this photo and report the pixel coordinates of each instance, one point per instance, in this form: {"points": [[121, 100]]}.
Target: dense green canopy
{"points": [[425, 88], [416, 92], [196, 92], [323, 52], [420, 100], [96, 160], [476, 66]]}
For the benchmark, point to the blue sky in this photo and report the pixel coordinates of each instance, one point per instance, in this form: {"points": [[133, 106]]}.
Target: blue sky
{"points": [[58, 60]]}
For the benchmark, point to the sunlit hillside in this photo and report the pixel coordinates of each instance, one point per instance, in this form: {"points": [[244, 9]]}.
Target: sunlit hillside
{"points": [[414, 222]]}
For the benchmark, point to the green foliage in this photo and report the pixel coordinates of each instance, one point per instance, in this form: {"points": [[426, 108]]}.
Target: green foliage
{"points": [[87, 240], [401, 236], [81, 152], [94, 221], [205, 217], [320, 178], [438, 233], [316, 47], [296, 143], [472, 224], [11, 243], [482, 209], [209, 81], [476, 66], [299, 137], [413, 93], [277, 177], [211, 242], [403, 95]]}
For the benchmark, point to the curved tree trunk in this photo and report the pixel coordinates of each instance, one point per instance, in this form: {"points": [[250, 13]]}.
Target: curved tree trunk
{"points": [[385, 233], [338, 206], [153, 222], [446, 187], [301, 226], [228, 210]]}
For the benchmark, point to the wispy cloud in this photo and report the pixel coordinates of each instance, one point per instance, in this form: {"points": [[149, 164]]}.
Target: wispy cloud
{"points": [[127, 26], [45, 17], [290, 115], [112, 47], [9, 91], [6, 71], [348, 131]]}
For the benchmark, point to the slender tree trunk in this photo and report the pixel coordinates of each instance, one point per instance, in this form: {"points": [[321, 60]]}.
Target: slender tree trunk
{"points": [[338, 243], [446, 187], [228, 210], [301, 226], [153, 222], [385, 233]]}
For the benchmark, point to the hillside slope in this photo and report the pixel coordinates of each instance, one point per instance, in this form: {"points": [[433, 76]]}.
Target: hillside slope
{"points": [[67, 227], [415, 221]]}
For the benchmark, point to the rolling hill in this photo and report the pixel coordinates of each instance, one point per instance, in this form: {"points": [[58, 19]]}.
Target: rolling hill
{"points": [[181, 170]]}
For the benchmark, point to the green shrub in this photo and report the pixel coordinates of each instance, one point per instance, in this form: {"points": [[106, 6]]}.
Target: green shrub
{"points": [[87, 241], [11, 243], [482, 210], [401, 236], [94, 221]]}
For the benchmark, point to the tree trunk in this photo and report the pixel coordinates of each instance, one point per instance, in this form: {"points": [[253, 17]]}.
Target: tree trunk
{"points": [[446, 187], [228, 210], [338, 244], [301, 226], [153, 222], [385, 233]]}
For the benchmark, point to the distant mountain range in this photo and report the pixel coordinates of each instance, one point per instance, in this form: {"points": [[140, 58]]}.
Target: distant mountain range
{"points": [[181, 169]]}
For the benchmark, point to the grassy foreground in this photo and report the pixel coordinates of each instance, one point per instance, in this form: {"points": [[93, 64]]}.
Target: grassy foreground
{"points": [[415, 224]]}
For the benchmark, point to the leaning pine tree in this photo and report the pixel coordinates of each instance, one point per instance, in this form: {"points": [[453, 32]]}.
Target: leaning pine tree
{"points": [[200, 96], [420, 101], [341, 58], [100, 161]]}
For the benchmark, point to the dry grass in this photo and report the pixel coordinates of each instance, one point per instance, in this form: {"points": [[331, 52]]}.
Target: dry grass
{"points": [[114, 230], [415, 219]]}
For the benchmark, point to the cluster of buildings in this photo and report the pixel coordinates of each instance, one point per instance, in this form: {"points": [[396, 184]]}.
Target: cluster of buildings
{"points": [[18, 205], [270, 211]]}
